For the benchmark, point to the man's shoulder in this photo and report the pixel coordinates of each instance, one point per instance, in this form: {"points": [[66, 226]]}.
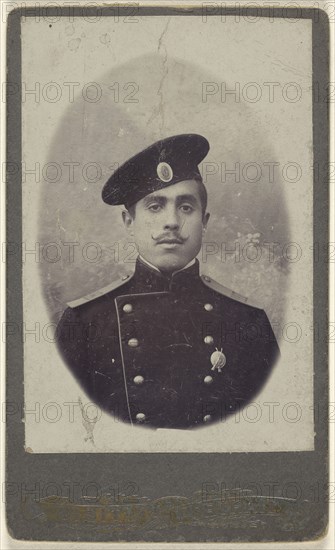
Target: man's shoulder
{"points": [[247, 311], [97, 295], [228, 292]]}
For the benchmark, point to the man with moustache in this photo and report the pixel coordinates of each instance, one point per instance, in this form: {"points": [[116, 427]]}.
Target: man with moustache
{"points": [[166, 347]]}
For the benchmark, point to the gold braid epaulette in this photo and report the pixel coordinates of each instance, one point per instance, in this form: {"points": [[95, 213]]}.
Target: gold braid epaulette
{"points": [[112, 286], [225, 291]]}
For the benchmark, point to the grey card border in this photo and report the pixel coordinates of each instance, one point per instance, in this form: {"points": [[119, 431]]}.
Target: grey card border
{"points": [[199, 512]]}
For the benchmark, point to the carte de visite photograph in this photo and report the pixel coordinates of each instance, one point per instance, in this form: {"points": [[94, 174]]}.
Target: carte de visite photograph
{"points": [[167, 234]]}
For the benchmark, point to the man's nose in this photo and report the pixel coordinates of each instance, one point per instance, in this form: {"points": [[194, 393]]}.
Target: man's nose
{"points": [[172, 219]]}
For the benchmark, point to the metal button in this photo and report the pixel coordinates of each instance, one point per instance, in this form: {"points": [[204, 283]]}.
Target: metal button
{"points": [[124, 277], [208, 307], [208, 379], [140, 417], [208, 279], [207, 418], [208, 339], [127, 308], [133, 342], [138, 380]]}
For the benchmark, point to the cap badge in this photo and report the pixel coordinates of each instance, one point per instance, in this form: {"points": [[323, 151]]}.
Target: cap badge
{"points": [[164, 172], [218, 360]]}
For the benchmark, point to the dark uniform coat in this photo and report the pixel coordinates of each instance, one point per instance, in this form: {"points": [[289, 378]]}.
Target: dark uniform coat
{"points": [[165, 352]]}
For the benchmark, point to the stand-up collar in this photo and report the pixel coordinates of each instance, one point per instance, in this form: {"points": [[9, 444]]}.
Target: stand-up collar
{"points": [[150, 279]]}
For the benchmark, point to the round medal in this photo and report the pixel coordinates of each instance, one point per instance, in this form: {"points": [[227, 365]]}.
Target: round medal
{"points": [[218, 360]]}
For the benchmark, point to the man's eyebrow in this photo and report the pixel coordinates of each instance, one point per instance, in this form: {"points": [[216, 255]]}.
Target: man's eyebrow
{"points": [[149, 198], [188, 198], [163, 199]]}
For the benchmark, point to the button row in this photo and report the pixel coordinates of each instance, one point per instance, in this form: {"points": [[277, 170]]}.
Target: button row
{"points": [[128, 308], [140, 417], [138, 380], [133, 342]]}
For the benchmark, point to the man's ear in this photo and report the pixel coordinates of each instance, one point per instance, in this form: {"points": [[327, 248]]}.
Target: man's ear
{"points": [[127, 220], [205, 220]]}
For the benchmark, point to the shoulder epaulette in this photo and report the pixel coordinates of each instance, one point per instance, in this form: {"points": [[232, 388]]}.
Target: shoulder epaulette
{"points": [[224, 290], [112, 286]]}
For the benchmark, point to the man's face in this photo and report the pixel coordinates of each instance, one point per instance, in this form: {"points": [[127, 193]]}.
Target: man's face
{"points": [[168, 225]]}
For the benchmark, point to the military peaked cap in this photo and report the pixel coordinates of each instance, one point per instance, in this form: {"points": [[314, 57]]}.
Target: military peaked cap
{"points": [[164, 163]]}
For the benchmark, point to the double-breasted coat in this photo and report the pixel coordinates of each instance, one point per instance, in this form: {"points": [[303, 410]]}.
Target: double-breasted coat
{"points": [[167, 352]]}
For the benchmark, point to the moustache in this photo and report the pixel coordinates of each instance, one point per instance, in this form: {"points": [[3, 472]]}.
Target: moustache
{"points": [[168, 238]]}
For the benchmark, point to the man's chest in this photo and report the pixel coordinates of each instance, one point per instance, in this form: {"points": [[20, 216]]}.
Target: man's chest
{"points": [[179, 358]]}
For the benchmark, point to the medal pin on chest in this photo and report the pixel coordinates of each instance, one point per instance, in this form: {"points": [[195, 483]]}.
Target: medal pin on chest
{"points": [[218, 360]]}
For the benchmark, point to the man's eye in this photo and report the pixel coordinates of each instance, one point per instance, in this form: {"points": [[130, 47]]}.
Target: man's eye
{"points": [[186, 208], [154, 207]]}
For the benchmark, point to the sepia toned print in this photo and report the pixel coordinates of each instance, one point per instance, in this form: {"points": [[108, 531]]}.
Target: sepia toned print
{"points": [[158, 376]]}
